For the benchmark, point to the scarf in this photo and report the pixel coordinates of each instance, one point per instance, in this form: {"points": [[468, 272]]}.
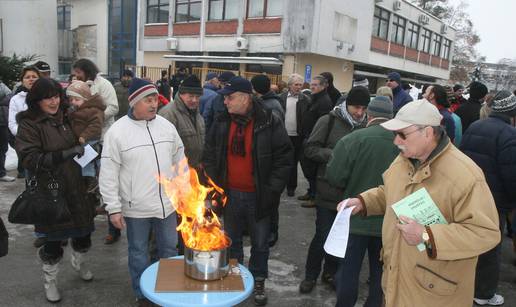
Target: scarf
{"points": [[238, 141], [345, 114]]}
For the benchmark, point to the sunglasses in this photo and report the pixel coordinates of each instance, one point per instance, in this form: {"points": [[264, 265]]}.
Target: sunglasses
{"points": [[403, 135]]}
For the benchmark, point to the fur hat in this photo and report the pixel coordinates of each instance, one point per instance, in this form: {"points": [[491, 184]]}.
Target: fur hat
{"points": [[191, 85], [79, 89], [140, 89]]}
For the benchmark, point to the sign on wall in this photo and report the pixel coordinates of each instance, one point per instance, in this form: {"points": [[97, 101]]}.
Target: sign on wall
{"points": [[308, 73]]}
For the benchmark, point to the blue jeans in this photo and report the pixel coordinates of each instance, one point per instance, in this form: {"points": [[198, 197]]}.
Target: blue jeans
{"points": [[349, 271], [239, 214], [138, 230], [316, 254]]}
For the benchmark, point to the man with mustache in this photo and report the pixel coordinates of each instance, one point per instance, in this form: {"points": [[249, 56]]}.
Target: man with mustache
{"points": [[138, 147], [444, 273]]}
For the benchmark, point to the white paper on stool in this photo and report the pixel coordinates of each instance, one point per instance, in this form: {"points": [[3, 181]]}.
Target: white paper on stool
{"points": [[337, 241]]}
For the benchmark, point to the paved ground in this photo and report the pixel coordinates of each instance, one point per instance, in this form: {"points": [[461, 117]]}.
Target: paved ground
{"points": [[21, 278]]}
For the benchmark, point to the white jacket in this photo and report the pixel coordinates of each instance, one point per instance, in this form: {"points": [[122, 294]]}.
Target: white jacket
{"points": [[16, 105], [135, 153], [107, 92]]}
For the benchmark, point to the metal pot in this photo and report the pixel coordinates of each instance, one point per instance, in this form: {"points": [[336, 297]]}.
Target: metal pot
{"points": [[206, 265]]}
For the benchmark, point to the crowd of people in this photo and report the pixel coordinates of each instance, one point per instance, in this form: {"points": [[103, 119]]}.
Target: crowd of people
{"points": [[248, 136]]}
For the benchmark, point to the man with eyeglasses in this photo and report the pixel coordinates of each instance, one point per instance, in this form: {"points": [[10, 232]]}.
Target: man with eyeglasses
{"points": [[400, 97], [248, 153], [444, 273]]}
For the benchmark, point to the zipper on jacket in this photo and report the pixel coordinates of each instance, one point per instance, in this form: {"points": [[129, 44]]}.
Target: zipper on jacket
{"points": [[159, 171]]}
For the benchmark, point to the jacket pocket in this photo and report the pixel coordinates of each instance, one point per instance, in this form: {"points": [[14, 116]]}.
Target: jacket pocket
{"points": [[433, 282]]}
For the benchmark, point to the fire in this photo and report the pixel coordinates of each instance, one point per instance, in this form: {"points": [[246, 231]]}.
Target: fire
{"points": [[200, 227]]}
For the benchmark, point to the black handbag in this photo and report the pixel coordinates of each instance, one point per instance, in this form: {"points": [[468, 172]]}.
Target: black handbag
{"points": [[40, 204], [4, 239]]}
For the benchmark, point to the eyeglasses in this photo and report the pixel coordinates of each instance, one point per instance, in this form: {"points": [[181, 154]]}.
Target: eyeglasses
{"points": [[403, 135]]}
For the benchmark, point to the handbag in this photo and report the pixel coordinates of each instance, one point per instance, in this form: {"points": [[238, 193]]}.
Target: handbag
{"points": [[4, 239], [40, 204]]}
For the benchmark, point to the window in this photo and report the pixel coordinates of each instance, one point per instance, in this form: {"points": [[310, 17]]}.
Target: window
{"points": [[188, 10], [224, 9], [426, 36], [413, 35], [398, 29], [446, 49], [264, 8], [157, 11], [437, 45], [381, 22], [63, 17]]}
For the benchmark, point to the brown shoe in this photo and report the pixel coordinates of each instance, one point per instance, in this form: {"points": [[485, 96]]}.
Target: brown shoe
{"points": [[110, 239], [304, 197], [309, 204]]}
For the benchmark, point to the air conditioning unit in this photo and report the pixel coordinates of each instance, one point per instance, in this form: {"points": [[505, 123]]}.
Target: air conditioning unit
{"points": [[396, 5], [172, 43], [424, 19], [241, 43], [444, 29]]}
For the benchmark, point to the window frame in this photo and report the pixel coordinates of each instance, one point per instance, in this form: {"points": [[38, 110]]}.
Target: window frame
{"points": [[223, 11], [446, 48], [265, 5], [378, 18], [413, 31], [64, 10], [188, 3], [398, 22], [426, 40], [437, 42], [158, 6]]}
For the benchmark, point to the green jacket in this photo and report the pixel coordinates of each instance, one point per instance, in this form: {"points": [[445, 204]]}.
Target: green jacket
{"points": [[319, 147], [357, 164], [189, 125]]}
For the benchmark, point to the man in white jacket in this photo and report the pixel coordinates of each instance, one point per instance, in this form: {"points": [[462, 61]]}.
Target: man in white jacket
{"points": [[139, 148]]}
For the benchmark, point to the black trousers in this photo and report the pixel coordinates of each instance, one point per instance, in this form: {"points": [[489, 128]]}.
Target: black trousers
{"points": [[4, 141], [297, 142], [488, 267], [52, 252]]}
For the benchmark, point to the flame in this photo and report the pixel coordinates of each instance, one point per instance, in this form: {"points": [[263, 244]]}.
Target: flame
{"points": [[200, 227]]}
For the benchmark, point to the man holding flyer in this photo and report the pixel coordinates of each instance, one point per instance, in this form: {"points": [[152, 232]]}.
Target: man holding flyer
{"points": [[443, 273]]}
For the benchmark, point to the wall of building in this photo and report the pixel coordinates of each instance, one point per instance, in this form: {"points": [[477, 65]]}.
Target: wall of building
{"points": [[155, 59], [93, 12], [32, 32]]}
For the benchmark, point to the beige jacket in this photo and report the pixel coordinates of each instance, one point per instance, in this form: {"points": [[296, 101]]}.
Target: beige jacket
{"points": [[447, 277]]}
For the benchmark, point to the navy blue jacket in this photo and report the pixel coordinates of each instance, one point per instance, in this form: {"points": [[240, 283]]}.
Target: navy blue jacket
{"points": [[491, 143], [400, 98]]}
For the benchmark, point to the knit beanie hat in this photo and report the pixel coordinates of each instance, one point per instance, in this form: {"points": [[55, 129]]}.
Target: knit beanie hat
{"points": [[140, 89], [380, 106], [261, 84], [79, 89], [477, 90], [394, 76], [191, 85], [504, 102], [358, 96], [361, 81], [457, 87]]}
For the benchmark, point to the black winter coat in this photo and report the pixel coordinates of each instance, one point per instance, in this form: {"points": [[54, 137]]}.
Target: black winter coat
{"points": [[320, 105], [273, 156], [41, 134], [302, 105], [468, 113], [491, 143]]}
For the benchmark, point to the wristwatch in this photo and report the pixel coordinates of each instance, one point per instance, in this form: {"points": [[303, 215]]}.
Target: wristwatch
{"points": [[425, 237]]}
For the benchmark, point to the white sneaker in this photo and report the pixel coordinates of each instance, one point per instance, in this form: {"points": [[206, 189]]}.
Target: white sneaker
{"points": [[496, 300], [7, 178]]}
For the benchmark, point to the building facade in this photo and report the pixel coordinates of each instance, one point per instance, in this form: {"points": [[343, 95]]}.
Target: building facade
{"points": [[345, 37]]}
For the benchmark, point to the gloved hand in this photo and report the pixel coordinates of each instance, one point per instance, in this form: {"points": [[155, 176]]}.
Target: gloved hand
{"points": [[72, 152]]}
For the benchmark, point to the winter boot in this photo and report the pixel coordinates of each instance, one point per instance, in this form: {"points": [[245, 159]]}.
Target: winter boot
{"points": [[80, 266], [260, 298], [50, 275]]}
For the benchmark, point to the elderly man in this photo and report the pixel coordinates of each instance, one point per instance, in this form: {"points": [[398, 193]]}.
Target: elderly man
{"points": [[356, 166], [320, 105], [444, 274], [294, 104], [401, 97], [137, 148], [212, 110], [184, 114], [248, 153]]}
